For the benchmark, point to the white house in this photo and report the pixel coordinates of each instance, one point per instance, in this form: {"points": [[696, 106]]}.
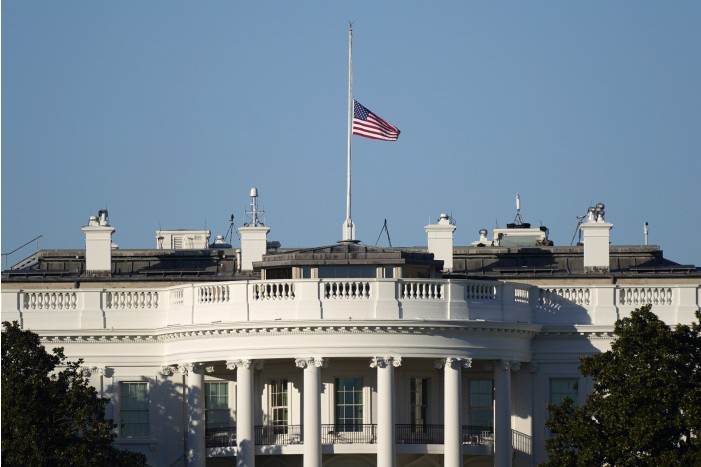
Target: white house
{"points": [[341, 355]]}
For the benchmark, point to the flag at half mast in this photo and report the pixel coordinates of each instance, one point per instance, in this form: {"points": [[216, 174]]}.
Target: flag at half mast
{"points": [[369, 125]]}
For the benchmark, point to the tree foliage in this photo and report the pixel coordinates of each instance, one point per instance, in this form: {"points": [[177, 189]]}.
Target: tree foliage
{"points": [[645, 407], [49, 417]]}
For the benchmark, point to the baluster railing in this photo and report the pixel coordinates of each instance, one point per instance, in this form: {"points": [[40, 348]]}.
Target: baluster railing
{"points": [[422, 290], [639, 296], [220, 437], [479, 292], [49, 300], [419, 434], [346, 289], [348, 434], [474, 434], [130, 299]]}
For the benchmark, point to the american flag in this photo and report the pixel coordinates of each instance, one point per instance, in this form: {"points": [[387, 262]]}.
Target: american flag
{"points": [[369, 125]]}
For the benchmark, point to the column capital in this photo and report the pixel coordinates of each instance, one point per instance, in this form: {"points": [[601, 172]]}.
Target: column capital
{"points": [[88, 371], [168, 370], [509, 365], [453, 362], [382, 362], [245, 363], [305, 362], [192, 368]]}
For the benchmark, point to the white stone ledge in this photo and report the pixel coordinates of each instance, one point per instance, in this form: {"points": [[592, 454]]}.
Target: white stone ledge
{"points": [[294, 301]]}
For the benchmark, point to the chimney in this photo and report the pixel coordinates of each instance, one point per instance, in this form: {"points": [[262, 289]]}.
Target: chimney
{"points": [[440, 241], [596, 237], [98, 245], [254, 236]]}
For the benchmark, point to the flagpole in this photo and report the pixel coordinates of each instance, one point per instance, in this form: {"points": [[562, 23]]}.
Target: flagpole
{"points": [[349, 227]]}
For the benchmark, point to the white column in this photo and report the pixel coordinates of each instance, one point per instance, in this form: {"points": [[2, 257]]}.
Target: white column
{"points": [[196, 450], [245, 437], [386, 450], [452, 430], [502, 416], [312, 409]]}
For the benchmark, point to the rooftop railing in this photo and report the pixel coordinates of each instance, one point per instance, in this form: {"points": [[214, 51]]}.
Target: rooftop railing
{"points": [[337, 299]]}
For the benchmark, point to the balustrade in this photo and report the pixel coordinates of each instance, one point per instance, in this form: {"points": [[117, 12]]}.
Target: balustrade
{"points": [[349, 434], [177, 297], [420, 298], [521, 442], [213, 294], [639, 296], [419, 434], [421, 291], [273, 291], [49, 300], [362, 434], [521, 295], [220, 437], [278, 435], [556, 297], [478, 291], [482, 435], [346, 289], [130, 299]]}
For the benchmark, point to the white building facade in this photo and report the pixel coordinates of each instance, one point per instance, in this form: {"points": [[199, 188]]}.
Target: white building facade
{"points": [[344, 355]]}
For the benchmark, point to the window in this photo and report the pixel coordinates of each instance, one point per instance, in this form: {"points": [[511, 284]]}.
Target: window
{"points": [[306, 272], [560, 388], [338, 272], [388, 272], [349, 404], [480, 403], [133, 412], [419, 403], [216, 404], [415, 272], [278, 405], [278, 273]]}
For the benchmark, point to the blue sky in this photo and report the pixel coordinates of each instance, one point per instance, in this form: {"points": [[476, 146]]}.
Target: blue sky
{"points": [[168, 112]]}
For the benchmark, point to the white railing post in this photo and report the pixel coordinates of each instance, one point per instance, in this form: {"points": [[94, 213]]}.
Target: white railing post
{"points": [[307, 303], [687, 303], [385, 299], [604, 304], [92, 314], [456, 304]]}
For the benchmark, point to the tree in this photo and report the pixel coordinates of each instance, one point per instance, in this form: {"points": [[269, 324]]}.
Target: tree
{"points": [[49, 417], [645, 407]]}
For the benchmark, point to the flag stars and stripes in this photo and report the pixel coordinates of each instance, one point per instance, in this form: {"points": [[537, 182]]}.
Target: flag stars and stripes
{"points": [[369, 125]]}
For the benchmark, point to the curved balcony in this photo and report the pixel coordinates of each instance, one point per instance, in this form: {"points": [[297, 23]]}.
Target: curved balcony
{"points": [[342, 299]]}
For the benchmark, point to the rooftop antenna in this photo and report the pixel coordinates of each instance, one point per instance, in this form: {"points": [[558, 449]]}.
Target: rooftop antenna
{"points": [[384, 229], [254, 213], [518, 220], [578, 230], [646, 231], [230, 230]]}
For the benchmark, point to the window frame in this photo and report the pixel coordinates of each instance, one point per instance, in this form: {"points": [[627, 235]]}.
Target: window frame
{"points": [[220, 410], [123, 411], [279, 428], [360, 417], [563, 378], [423, 407], [480, 411]]}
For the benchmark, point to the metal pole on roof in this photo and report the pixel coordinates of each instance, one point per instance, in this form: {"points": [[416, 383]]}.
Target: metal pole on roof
{"points": [[348, 228]]}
